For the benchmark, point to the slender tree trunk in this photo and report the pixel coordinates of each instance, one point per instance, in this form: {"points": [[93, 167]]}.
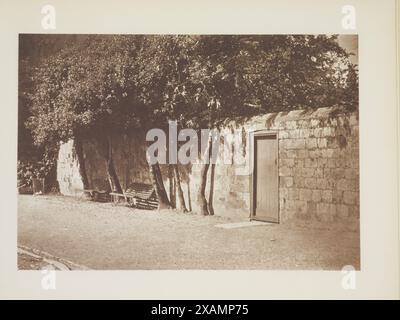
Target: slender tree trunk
{"points": [[155, 172], [189, 199], [182, 205], [172, 186], [211, 195], [201, 196], [211, 157], [81, 160], [111, 173], [206, 208]]}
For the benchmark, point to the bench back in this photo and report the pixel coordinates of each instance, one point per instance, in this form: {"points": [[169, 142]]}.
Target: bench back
{"points": [[141, 190]]}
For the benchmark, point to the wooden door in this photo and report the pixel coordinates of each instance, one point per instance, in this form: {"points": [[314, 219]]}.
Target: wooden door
{"points": [[265, 179]]}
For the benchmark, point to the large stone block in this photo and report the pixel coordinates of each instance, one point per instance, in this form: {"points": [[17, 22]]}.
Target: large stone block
{"points": [[316, 195], [286, 181], [322, 162], [354, 211], [352, 161], [328, 153], [318, 132], [328, 132], [305, 194], [299, 163], [285, 171], [320, 183], [288, 154], [342, 211], [294, 134], [310, 183], [283, 134], [301, 207], [311, 143], [331, 163], [301, 154], [305, 133], [327, 196], [289, 162], [306, 172], [353, 120], [351, 173], [319, 173], [310, 163], [350, 197], [290, 125], [322, 143], [355, 132], [284, 193], [311, 208], [340, 162], [337, 196], [294, 143], [315, 154], [293, 194], [304, 123], [333, 122], [338, 173], [299, 182], [314, 123], [326, 212]]}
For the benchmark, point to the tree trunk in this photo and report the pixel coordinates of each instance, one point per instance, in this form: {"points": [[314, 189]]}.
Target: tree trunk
{"points": [[155, 172], [207, 208], [189, 199], [111, 173], [81, 160], [172, 186], [211, 195], [201, 196], [182, 205], [211, 160]]}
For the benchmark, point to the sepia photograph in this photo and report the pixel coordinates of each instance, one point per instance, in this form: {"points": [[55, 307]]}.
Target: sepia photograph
{"points": [[199, 158], [201, 152]]}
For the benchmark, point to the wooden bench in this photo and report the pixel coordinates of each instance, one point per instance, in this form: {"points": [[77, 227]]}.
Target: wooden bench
{"points": [[138, 195], [99, 196], [88, 193], [118, 197]]}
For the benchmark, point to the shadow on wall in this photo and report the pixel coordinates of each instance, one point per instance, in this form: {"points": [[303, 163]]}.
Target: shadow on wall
{"points": [[318, 167]]}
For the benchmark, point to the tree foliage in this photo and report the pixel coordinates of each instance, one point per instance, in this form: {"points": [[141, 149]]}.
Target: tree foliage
{"points": [[121, 82], [86, 90]]}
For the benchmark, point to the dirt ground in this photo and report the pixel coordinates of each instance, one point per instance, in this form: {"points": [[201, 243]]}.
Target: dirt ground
{"points": [[105, 236]]}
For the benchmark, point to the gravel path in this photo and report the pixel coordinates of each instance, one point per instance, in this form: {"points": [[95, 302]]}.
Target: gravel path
{"points": [[105, 236]]}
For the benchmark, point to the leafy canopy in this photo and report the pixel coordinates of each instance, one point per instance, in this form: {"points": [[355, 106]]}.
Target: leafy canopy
{"points": [[102, 84]]}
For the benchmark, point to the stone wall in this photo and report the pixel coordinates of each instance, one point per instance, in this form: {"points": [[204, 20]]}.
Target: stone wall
{"points": [[68, 176], [318, 167], [129, 154], [129, 159]]}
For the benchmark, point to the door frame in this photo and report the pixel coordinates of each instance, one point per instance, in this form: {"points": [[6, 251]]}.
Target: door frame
{"points": [[253, 136]]}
